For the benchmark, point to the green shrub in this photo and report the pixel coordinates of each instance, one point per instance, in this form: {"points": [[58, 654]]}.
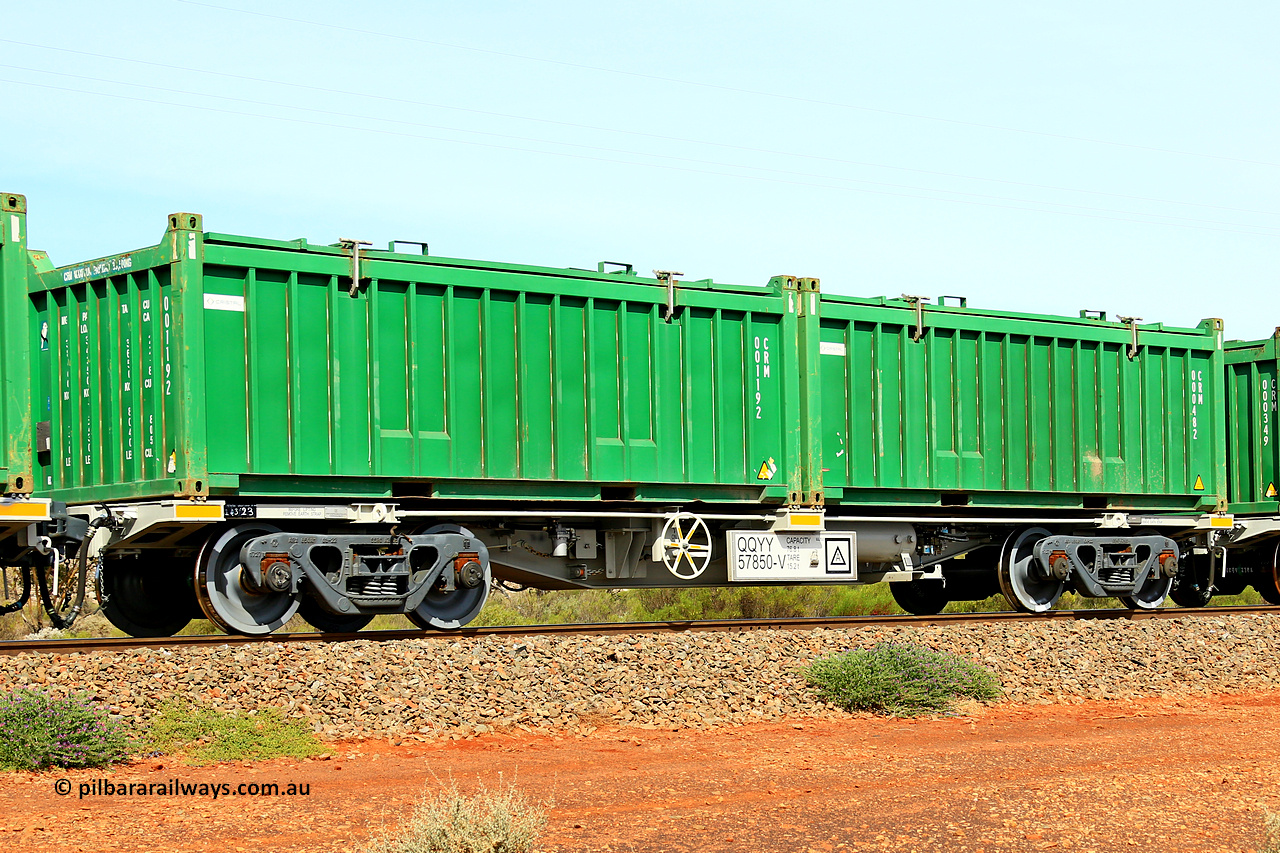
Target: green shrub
{"points": [[39, 731], [208, 735], [900, 679], [501, 821]]}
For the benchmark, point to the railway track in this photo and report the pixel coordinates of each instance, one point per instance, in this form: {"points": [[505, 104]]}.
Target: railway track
{"points": [[92, 644]]}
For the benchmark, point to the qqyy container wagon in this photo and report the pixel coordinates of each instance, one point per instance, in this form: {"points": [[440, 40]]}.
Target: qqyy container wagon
{"points": [[254, 428]]}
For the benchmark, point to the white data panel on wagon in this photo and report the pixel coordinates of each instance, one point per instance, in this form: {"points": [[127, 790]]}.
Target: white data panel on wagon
{"points": [[756, 555]]}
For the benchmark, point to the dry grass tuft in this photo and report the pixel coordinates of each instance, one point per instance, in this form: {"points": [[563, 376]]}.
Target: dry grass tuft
{"points": [[500, 821], [1271, 843]]}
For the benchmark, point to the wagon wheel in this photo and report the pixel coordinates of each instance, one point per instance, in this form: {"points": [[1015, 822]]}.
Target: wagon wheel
{"points": [[450, 609], [1022, 580], [919, 597], [1267, 579], [223, 588], [147, 596], [1151, 594], [330, 623], [1191, 587], [691, 547]]}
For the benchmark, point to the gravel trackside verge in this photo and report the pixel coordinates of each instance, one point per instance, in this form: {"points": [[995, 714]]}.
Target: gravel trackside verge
{"points": [[445, 686]]}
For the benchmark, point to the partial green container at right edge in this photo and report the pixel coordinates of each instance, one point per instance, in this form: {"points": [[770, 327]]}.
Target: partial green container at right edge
{"points": [[1253, 459]]}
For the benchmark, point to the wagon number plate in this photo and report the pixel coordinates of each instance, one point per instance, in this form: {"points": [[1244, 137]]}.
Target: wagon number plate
{"points": [[756, 555]]}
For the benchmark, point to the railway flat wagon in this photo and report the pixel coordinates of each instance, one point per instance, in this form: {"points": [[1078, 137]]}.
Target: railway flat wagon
{"points": [[246, 429]]}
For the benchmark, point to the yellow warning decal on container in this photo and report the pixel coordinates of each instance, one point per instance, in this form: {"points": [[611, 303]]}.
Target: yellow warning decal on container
{"points": [[200, 511], [767, 469], [1222, 520], [1271, 490], [1199, 486], [25, 509], [798, 520]]}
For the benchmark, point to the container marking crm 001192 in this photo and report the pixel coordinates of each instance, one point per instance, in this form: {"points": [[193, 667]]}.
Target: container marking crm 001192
{"points": [[216, 399]]}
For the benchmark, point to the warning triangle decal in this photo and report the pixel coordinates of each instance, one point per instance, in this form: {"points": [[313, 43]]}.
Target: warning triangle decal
{"points": [[1199, 486], [837, 557], [1271, 490]]}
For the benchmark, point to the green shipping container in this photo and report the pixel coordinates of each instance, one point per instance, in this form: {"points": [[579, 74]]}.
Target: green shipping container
{"points": [[1253, 461], [219, 365], [955, 406], [15, 397]]}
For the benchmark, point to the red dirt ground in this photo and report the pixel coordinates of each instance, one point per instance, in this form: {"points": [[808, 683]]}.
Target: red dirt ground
{"points": [[1156, 775]]}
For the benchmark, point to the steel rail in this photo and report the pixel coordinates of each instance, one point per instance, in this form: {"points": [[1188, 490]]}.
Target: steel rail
{"points": [[92, 644]]}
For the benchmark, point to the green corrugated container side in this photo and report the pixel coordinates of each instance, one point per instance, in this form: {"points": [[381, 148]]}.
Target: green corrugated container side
{"points": [[16, 432], [222, 365], [1253, 460], [1003, 409]]}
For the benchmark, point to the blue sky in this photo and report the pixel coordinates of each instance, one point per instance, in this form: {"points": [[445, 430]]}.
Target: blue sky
{"points": [[1042, 157]]}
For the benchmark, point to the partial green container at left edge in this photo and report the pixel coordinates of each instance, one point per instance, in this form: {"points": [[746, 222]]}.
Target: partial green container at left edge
{"points": [[16, 470]]}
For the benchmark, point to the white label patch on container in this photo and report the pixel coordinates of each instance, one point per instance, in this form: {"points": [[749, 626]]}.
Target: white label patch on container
{"points": [[191, 246], [761, 555], [15, 229], [831, 348], [223, 302]]}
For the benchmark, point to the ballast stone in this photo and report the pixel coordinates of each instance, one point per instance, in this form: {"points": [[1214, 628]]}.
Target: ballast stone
{"points": [[458, 687]]}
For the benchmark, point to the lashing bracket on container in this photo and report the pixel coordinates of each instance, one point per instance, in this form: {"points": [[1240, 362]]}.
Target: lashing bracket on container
{"points": [[353, 246], [1133, 330], [668, 278], [917, 302]]}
